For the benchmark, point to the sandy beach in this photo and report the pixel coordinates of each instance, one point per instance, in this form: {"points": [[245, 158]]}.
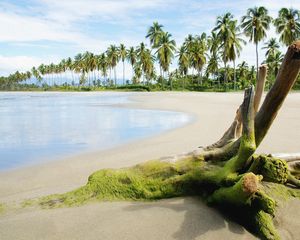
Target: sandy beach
{"points": [[179, 218]]}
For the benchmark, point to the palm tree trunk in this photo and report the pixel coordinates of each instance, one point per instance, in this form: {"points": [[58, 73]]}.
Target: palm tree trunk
{"points": [[132, 67], [234, 75], [160, 70], [225, 74], [90, 76], [201, 77], [170, 79], [256, 61], [115, 73], [143, 78], [162, 80], [123, 73]]}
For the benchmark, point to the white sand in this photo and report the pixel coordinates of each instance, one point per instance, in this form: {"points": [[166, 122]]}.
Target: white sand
{"points": [[182, 218]]}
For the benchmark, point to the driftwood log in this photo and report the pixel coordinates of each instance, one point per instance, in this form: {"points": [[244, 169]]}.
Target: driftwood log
{"points": [[226, 174]]}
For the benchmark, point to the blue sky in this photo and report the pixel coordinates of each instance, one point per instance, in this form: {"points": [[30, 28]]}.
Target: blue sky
{"points": [[44, 31]]}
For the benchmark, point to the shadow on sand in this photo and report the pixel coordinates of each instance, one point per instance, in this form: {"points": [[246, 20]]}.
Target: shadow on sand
{"points": [[198, 217]]}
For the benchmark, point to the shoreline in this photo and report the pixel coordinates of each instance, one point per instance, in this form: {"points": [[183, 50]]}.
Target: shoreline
{"points": [[213, 113]]}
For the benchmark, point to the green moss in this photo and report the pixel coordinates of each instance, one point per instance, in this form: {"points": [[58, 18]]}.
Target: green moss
{"points": [[156, 180], [238, 194], [280, 192], [272, 169], [262, 201], [265, 227], [148, 181], [28, 203]]}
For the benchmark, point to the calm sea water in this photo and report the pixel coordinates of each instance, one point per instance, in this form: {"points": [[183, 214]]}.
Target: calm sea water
{"points": [[35, 127]]}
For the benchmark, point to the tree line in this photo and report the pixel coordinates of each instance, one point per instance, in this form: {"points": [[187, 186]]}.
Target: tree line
{"points": [[203, 61]]}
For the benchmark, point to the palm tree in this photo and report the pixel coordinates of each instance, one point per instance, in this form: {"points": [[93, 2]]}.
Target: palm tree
{"points": [[213, 65], [183, 60], [154, 34], [113, 57], [234, 46], [188, 41], [243, 68], [85, 65], [36, 74], [272, 47], [288, 25], [274, 61], [69, 65], [188, 44], [255, 24], [165, 51], [131, 57], [122, 55], [213, 43], [141, 52], [78, 67], [198, 54], [137, 73], [63, 68], [148, 65], [28, 75], [243, 71], [104, 66], [224, 36], [41, 70], [52, 72]]}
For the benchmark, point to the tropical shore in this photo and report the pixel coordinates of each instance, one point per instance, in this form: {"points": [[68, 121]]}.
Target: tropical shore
{"points": [[180, 218]]}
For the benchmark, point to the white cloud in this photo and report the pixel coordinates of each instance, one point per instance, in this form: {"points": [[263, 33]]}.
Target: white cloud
{"points": [[73, 10], [68, 22]]}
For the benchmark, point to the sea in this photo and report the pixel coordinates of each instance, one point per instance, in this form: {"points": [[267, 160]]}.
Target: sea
{"points": [[43, 126]]}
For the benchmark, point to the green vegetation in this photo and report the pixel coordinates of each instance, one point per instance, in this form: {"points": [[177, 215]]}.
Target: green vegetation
{"points": [[157, 180], [148, 181], [198, 59]]}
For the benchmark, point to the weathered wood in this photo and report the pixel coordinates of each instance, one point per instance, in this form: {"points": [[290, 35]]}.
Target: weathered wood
{"points": [[288, 157], [260, 85], [285, 80], [235, 129], [233, 132], [229, 172]]}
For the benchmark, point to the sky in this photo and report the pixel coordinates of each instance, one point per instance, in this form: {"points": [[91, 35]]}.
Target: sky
{"points": [[45, 31]]}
